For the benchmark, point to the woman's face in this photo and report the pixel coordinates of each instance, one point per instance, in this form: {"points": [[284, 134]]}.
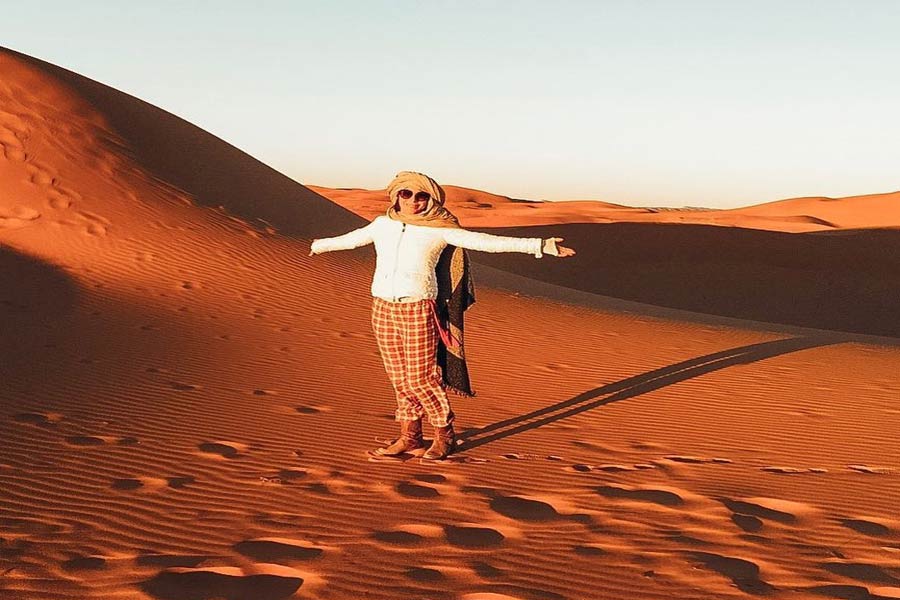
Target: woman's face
{"points": [[416, 204]]}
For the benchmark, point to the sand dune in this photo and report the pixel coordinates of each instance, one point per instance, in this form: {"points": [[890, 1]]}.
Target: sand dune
{"points": [[187, 397], [855, 212], [476, 208]]}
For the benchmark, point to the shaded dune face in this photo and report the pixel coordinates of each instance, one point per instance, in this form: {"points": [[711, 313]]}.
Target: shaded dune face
{"points": [[843, 281], [186, 398]]}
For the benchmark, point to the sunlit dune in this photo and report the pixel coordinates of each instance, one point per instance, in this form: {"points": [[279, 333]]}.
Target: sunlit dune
{"points": [[476, 208]]}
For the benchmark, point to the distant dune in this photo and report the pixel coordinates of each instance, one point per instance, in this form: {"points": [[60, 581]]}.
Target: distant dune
{"points": [[476, 208], [186, 397]]}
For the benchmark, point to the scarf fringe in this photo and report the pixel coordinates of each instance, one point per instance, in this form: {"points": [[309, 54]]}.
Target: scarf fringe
{"points": [[456, 391]]}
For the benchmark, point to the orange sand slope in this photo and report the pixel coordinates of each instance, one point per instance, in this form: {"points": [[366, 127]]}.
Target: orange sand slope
{"points": [[481, 209], [187, 397]]}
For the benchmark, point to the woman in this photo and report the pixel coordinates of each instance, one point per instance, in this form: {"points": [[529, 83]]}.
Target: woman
{"points": [[420, 289]]}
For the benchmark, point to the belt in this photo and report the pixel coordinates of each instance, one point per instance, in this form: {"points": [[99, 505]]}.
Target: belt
{"points": [[405, 298]]}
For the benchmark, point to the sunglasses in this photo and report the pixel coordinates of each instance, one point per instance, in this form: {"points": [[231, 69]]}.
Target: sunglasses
{"points": [[421, 196]]}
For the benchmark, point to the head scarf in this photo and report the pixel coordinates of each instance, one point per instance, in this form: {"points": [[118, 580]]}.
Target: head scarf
{"points": [[456, 290], [434, 215]]}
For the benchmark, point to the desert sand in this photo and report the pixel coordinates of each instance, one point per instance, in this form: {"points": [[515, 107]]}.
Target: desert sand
{"points": [[187, 397]]}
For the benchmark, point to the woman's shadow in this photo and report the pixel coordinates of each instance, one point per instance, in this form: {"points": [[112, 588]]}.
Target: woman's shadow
{"points": [[640, 384]]}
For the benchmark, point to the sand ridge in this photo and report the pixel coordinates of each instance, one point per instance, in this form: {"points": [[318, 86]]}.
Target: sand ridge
{"points": [[187, 398], [477, 208]]}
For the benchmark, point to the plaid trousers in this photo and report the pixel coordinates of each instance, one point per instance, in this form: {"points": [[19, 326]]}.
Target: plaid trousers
{"points": [[407, 336]]}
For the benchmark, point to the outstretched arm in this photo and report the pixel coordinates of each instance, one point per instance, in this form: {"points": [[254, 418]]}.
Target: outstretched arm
{"points": [[352, 239], [485, 242]]}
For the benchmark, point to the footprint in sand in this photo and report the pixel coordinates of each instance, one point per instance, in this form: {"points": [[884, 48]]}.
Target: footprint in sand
{"points": [[308, 410], [184, 387], [95, 224], [486, 570], [743, 573], [589, 550], [134, 483], [524, 509], [87, 440], [759, 511], [58, 200], [222, 449], [399, 538], [179, 481], [281, 520], [150, 483], [258, 581], [38, 175], [610, 468], [524, 456], [865, 572], [85, 563], [412, 490], [319, 488], [870, 470], [470, 537], [662, 497], [13, 152], [284, 476], [98, 440], [18, 217], [848, 592], [274, 549], [793, 470], [866, 527], [697, 460], [127, 484], [36, 418], [292, 474], [748, 523], [424, 574]]}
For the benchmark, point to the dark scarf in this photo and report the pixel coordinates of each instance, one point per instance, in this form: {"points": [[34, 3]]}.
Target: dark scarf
{"points": [[456, 290], [456, 293]]}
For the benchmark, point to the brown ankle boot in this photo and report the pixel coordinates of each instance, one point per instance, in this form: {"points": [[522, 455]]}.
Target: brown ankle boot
{"points": [[410, 439], [443, 444]]}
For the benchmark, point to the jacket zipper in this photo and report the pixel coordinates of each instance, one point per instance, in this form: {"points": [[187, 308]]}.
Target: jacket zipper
{"points": [[396, 260]]}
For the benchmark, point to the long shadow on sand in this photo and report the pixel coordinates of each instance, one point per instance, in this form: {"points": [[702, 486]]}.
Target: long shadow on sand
{"points": [[640, 384]]}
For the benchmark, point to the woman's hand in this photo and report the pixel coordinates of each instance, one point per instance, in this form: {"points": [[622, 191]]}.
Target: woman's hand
{"points": [[311, 253], [551, 247]]}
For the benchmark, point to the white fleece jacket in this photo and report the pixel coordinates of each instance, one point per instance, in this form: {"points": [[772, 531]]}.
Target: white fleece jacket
{"points": [[406, 255]]}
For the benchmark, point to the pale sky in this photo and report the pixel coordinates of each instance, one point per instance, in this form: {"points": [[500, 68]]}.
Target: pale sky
{"points": [[713, 103]]}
